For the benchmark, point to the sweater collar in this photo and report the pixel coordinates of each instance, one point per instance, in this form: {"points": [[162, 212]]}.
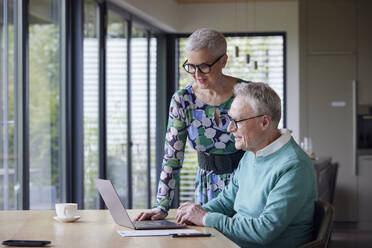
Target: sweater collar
{"points": [[275, 145]]}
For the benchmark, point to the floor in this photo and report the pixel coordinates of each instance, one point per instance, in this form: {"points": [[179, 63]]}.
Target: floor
{"points": [[346, 235]]}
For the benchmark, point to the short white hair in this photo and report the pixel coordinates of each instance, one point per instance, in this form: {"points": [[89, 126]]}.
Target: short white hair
{"points": [[262, 98], [211, 40]]}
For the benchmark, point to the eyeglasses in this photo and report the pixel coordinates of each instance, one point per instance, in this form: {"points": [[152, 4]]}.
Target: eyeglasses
{"points": [[203, 68], [234, 123]]}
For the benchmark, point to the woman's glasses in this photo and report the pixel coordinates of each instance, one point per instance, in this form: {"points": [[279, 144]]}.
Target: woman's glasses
{"points": [[203, 68]]}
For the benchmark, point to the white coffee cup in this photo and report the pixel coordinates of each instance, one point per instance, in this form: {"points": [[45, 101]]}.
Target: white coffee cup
{"points": [[66, 210]]}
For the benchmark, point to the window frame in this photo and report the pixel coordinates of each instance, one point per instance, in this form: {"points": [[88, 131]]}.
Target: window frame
{"points": [[151, 32]]}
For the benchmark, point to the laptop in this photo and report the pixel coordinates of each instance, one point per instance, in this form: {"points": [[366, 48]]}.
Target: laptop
{"points": [[120, 215]]}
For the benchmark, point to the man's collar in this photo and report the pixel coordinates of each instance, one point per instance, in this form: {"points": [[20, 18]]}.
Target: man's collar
{"points": [[275, 145]]}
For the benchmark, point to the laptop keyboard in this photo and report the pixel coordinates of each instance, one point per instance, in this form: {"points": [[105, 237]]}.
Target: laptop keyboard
{"points": [[155, 224], [148, 223]]}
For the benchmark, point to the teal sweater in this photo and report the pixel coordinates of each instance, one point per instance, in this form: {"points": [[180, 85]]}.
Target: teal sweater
{"points": [[269, 202]]}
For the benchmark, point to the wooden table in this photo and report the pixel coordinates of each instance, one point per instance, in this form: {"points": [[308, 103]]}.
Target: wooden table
{"points": [[95, 228]]}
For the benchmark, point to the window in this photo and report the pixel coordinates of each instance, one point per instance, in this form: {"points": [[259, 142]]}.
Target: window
{"points": [[91, 102], [43, 108], [8, 107], [130, 97], [265, 64], [143, 121], [30, 123], [124, 89], [153, 120], [116, 103], [139, 110], [44, 103]]}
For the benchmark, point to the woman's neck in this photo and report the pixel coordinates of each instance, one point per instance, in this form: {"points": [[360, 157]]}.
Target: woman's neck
{"points": [[220, 92]]}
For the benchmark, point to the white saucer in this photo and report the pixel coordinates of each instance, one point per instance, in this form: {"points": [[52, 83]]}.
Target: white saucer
{"points": [[72, 219]]}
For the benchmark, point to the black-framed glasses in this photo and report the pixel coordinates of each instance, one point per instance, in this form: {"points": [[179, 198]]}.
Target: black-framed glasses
{"points": [[234, 123], [203, 68]]}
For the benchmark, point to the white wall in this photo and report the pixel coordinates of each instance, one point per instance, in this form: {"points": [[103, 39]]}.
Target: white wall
{"points": [[265, 16], [160, 13]]}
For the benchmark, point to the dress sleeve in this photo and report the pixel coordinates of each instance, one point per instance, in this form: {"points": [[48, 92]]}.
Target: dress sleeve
{"points": [[174, 147]]}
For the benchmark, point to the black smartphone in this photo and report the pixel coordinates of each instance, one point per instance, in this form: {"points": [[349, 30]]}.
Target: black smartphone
{"points": [[34, 243], [179, 235]]}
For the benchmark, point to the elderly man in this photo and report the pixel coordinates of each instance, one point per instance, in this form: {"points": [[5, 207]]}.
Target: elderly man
{"points": [[270, 200]]}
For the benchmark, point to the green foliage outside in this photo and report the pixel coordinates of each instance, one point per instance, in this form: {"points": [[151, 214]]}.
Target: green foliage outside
{"points": [[91, 159], [10, 120], [44, 103]]}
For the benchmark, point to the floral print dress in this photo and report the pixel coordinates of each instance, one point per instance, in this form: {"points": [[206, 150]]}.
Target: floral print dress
{"points": [[189, 117]]}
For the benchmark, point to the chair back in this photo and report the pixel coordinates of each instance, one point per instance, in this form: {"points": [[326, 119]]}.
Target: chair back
{"points": [[322, 225], [326, 175], [333, 181]]}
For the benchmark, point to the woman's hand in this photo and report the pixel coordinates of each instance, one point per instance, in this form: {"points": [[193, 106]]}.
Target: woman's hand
{"points": [[190, 212], [152, 215]]}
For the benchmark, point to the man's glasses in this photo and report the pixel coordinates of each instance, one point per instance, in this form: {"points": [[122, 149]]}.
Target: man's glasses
{"points": [[203, 68], [234, 123]]}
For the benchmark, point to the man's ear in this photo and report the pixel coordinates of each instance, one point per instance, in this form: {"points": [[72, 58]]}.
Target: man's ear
{"points": [[266, 122], [224, 60]]}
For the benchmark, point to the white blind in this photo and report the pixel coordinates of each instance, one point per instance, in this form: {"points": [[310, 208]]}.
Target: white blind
{"points": [[138, 120], [153, 68], [116, 113], [91, 140]]}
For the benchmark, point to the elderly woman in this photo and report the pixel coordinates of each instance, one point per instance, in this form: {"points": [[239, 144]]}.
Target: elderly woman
{"points": [[199, 112]]}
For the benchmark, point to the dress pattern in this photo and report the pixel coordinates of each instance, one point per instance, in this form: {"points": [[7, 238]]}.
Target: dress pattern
{"points": [[190, 118]]}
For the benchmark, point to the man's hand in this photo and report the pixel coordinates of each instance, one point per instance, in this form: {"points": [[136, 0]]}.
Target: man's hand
{"points": [[152, 215], [190, 212]]}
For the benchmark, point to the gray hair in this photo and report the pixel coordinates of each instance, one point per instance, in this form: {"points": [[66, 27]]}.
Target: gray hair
{"points": [[208, 39], [262, 98]]}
